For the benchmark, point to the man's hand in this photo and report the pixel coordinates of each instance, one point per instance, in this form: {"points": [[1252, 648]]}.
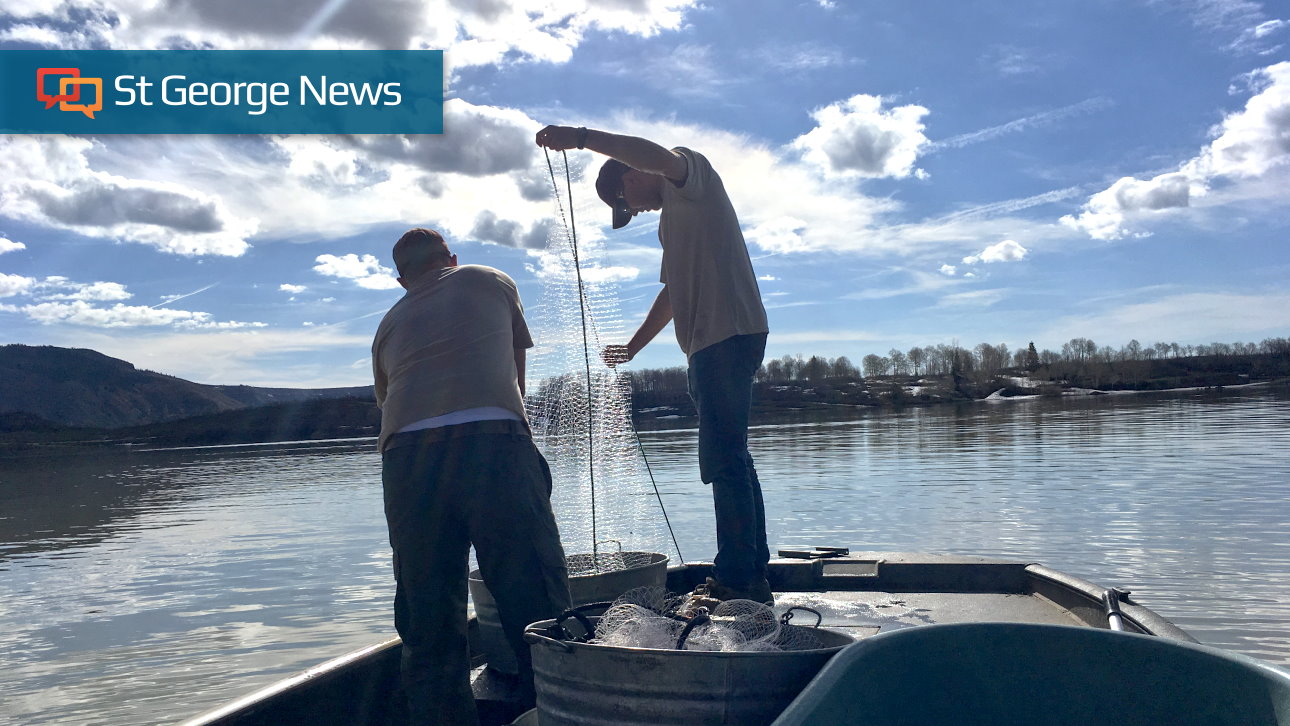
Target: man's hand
{"points": [[612, 355], [559, 138]]}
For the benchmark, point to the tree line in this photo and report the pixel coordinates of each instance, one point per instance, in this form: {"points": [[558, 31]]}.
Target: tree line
{"points": [[981, 361]]}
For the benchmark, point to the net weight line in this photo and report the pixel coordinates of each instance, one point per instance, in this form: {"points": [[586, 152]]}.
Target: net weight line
{"points": [[571, 234]]}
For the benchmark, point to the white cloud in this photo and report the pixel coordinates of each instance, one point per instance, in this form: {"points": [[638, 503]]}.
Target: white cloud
{"points": [[1005, 251], [319, 160], [687, 71], [767, 278], [1252, 141], [477, 33], [610, 274], [803, 57], [485, 180], [366, 271], [249, 356], [949, 270], [1257, 39], [1196, 317], [1247, 145], [79, 312], [97, 291], [857, 137], [48, 180], [477, 141], [557, 265], [11, 285], [1009, 60], [8, 245], [922, 282], [57, 287], [825, 336], [293, 289], [974, 298]]}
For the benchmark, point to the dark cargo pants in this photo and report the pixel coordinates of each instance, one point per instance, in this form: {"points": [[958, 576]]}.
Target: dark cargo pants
{"points": [[481, 483]]}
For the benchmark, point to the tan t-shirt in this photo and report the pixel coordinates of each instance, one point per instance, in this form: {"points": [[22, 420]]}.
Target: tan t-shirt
{"points": [[449, 345], [709, 276]]}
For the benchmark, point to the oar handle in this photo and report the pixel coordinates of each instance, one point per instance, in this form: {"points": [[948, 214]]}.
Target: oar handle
{"points": [[1111, 604]]}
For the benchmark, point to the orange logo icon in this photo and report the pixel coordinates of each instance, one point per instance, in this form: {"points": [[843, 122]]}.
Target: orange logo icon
{"points": [[71, 80]]}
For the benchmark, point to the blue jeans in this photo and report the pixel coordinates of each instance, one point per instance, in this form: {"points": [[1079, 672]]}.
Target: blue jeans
{"points": [[720, 378]]}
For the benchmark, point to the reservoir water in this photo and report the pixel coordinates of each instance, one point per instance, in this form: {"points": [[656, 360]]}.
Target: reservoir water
{"points": [[144, 587]]}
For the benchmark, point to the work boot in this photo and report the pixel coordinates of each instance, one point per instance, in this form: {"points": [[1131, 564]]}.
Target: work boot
{"points": [[757, 592]]}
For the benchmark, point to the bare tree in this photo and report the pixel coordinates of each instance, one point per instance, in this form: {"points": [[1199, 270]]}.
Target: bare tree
{"points": [[1133, 351], [899, 363], [915, 356], [876, 365], [842, 368]]}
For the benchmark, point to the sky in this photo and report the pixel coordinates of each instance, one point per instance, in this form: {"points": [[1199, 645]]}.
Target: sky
{"points": [[905, 174]]}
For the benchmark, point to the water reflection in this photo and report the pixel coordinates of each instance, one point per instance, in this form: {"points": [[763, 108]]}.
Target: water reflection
{"points": [[130, 578]]}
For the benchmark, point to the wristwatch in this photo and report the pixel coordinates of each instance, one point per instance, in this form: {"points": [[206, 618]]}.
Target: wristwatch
{"points": [[582, 136]]}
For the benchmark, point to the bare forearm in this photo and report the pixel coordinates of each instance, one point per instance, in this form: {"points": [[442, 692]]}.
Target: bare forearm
{"points": [[635, 152], [641, 154], [659, 315]]}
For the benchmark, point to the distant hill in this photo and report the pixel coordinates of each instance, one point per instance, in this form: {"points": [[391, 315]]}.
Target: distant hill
{"points": [[292, 421], [77, 387]]}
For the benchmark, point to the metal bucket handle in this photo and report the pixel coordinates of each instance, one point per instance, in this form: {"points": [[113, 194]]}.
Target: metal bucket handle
{"points": [[588, 630], [788, 615], [615, 541], [699, 618], [558, 636]]}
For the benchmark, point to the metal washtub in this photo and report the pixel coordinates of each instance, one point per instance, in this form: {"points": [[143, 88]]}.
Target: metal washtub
{"points": [[642, 569], [584, 684]]}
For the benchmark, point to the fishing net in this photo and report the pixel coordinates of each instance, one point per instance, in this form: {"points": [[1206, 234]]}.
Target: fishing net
{"points": [[650, 617], [579, 408], [582, 564]]}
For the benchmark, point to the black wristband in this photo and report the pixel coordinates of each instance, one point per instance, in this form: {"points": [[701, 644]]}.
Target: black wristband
{"points": [[582, 137]]}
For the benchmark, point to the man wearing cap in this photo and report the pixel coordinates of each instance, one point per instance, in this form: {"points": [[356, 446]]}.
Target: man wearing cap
{"points": [[458, 467], [710, 293]]}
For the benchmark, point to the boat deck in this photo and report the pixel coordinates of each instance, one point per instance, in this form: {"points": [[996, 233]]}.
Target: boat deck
{"points": [[861, 594], [861, 614]]}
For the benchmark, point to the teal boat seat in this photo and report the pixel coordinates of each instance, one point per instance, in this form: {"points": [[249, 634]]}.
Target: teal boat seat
{"points": [[1001, 674]]}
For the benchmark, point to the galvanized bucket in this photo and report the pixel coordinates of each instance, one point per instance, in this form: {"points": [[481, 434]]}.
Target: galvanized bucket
{"points": [[642, 569], [584, 684]]}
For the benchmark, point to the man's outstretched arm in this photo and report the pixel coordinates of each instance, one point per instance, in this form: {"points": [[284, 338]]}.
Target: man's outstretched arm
{"points": [[638, 153], [659, 315]]}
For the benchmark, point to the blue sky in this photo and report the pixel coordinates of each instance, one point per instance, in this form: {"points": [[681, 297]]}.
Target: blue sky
{"points": [[906, 173]]}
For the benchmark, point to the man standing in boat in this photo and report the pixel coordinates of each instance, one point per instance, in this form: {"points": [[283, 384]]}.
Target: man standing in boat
{"points": [[459, 467], [710, 292]]}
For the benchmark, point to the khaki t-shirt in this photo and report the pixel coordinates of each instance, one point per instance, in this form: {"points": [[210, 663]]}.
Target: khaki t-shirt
{"points": [[709, 276], [449, 345]]}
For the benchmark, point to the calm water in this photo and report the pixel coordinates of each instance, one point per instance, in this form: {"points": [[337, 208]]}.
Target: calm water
{"points": [[143, 588]]}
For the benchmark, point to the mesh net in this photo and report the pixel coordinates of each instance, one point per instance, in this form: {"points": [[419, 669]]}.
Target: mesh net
{"points": [[648, 617], [583, 564], [579, 408]]}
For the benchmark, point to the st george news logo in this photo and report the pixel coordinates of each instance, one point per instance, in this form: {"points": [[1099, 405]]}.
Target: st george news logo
{"points": [[71, 80], [221, 92]]}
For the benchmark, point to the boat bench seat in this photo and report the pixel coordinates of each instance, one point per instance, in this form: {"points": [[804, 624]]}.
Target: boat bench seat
{"points": [[1006, 674]]}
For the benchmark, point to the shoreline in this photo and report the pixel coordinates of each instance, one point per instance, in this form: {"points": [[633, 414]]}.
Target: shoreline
{"points": [[763, 415]]}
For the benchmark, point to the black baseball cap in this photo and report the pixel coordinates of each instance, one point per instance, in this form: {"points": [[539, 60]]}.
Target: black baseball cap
{"points": [[609, 185]]}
